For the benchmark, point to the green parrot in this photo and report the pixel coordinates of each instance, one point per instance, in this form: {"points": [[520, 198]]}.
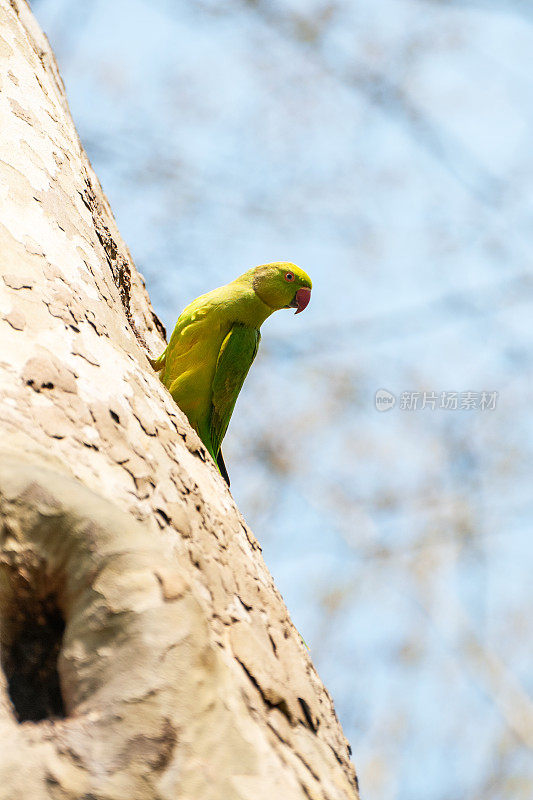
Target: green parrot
{"points": [[215, 342]]}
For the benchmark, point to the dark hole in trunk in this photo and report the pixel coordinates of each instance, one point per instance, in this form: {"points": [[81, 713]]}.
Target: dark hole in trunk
{"points": [[29, 659]]}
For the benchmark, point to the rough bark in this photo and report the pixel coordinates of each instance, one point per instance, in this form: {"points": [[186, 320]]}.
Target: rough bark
{"points": [[145, 650]]}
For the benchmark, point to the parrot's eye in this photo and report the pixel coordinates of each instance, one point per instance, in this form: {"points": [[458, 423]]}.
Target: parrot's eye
{"points": [[289, 277]]}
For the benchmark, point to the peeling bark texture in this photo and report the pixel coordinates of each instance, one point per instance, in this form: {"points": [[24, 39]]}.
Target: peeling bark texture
{"points": [[145, 650]]}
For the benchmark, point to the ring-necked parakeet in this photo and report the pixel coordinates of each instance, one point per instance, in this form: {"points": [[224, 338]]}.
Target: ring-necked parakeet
{"points": [[215, 341]]}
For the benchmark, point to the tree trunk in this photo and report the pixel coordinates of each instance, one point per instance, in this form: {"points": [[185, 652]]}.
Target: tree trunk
{"points": [[145, 650]]}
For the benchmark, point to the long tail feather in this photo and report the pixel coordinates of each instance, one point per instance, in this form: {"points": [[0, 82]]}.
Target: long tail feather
{"points": [[222, 467]]}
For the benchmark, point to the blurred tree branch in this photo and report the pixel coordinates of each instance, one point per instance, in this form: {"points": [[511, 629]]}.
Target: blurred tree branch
{"points": [[520, 7], [380, 90]]}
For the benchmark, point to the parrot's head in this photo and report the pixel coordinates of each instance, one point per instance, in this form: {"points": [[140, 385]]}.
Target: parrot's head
{"points": [[282, 285]]}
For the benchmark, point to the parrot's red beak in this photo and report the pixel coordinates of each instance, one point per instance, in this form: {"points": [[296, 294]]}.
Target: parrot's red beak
{"points": [[301, 299]]}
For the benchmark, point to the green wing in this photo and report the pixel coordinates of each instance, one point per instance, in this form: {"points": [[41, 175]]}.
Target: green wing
{"points": [[234, 360]]}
